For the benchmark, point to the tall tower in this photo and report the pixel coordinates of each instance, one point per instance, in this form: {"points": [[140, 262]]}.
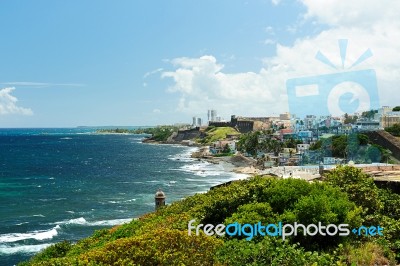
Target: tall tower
{"points": [[159, 199], [213, 115]]}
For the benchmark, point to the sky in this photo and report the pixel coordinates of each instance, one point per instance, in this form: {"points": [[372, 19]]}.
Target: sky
{"points": [[131, 63]]}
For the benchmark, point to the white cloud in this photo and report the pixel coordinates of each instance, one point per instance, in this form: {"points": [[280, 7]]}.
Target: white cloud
{"points": [[359, 13], [275, 2], [8, 104], [152, 72], [156, 111], [202, 82], [203, 85], [269, 42]]}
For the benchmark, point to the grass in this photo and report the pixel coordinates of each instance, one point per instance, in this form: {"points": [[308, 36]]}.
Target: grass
{"points": [[218, 133]]}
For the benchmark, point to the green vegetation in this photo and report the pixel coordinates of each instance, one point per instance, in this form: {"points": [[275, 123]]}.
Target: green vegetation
{"points": [[161, 238], [162, 133], [356, 147], [396, 109], [159, 133], [394, 130], [255, 142], [369, 114], [348, 119], [217, 133], [117, 131]]}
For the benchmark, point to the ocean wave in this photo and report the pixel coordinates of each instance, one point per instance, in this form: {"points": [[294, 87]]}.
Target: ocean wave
{"points": [[66, 138], [136, 139], [22, 223], [131, 200], [205, 173], [84, 222], [184, 156], [79, 221], [202, 169], [27, 249], [195, 167], [37, 235], [111, 222]]}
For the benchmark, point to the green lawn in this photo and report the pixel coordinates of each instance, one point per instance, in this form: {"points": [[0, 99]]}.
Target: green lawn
{"points": [[218, 133]]}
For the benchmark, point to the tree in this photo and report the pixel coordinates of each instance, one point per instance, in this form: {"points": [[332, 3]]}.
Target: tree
{"points": [[394, 130], [339, 146], [292, 143], [275, 146], [348, 119], [226, 149], [396, 109], [249, 143], [359, 187], [316, 146], [369, 114]]}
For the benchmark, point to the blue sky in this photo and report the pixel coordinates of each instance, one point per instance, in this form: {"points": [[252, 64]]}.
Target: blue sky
{"points": [[95, 63]]}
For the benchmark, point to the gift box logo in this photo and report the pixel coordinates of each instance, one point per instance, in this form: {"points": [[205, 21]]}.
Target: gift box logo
{"points": [[334, 94]]}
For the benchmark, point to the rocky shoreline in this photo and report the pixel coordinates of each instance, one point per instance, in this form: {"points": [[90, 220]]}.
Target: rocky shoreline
{"points": [[235, 163]]}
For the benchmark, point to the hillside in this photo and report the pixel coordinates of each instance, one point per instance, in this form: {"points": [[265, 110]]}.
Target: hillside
{"points": [[218, 133], [161, 238]]}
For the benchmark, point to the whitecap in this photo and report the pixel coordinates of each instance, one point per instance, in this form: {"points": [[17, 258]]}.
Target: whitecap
{"points": [[79, 220], [83, 221], [27, 249], [110, 222], [37, 235], [205, 173], [131, 200], [184, 156], [22, 223]]}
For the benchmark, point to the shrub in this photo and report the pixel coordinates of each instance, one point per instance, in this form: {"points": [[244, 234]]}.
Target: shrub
{"points": [[359, 187], [269, 251]]}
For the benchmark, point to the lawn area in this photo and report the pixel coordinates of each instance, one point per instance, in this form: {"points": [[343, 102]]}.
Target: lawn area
{"points": [[218, 133]]}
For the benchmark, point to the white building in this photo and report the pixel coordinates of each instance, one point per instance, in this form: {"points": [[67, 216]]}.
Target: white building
{"points": [[212, 115], [303, 147]]}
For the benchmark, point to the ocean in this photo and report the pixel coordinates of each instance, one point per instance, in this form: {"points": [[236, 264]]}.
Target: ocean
{"points": [[63, 184]]}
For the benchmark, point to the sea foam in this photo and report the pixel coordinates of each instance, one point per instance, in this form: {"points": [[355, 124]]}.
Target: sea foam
{"points": [[27, 249], [37, 235], [84, 222]]}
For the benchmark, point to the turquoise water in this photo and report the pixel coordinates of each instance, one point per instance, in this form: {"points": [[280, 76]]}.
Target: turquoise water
{"points": [[58, 184]]}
